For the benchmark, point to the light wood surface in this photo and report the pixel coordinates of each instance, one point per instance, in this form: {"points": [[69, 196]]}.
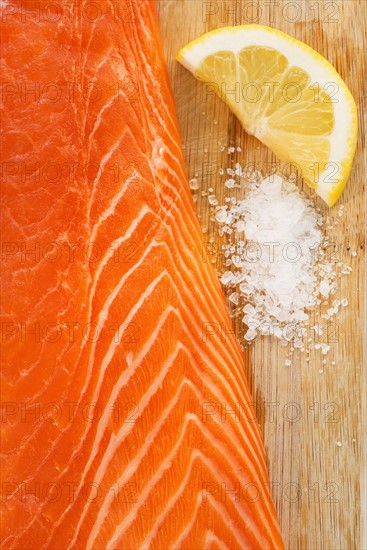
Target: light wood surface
{"points": [[305, 409]]}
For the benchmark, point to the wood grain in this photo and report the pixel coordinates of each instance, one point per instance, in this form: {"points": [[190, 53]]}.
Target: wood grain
{"points": [[305, 409]]}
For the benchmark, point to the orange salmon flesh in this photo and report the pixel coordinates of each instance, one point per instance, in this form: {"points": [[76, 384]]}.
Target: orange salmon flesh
{"points": [[120, 369]]}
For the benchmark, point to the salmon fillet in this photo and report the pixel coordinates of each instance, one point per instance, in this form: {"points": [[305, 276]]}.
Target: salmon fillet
{"points": [[126, 416]]}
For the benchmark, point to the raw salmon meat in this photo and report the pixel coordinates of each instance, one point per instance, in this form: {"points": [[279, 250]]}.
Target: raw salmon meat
{"points": [[126, 416]]}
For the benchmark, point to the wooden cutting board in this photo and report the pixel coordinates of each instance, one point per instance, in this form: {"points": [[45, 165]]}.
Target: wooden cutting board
{"points": [[312, 414]]}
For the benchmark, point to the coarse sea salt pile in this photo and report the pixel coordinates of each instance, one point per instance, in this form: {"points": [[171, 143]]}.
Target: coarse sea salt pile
{"points": [[276, 257], [273, 264]]}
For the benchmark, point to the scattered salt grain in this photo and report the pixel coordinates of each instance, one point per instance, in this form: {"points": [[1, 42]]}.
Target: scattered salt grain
{"points": [[324, 288], [344, 302], [221, 216], [325, 348], [250, 334], [339, 443], [194, 184], [287, 362], [226, 278]]}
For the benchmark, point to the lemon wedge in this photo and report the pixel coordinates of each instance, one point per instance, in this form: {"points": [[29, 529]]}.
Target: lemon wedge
{"points": [[284, 93]]}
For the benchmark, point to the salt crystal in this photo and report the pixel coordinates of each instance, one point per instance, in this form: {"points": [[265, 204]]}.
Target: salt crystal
{"points": [[339, 444], [245, 289], [324, 288], [354, 253], [344, 302], [240, 226], [226, 278], [250, 335], [234, 298], [300, 315], [325, 348], [221, 216], [194, 184], [287, 362]]}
